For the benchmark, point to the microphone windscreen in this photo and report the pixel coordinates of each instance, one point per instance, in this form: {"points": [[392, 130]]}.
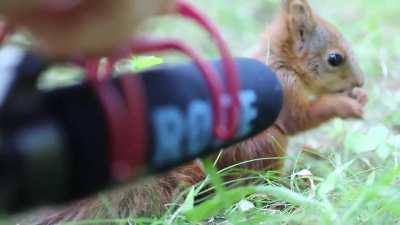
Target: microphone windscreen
{"points": [[68, 152]]}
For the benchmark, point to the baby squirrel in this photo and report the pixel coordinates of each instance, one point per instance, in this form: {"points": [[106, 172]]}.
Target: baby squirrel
{"points": [[321, 81]]}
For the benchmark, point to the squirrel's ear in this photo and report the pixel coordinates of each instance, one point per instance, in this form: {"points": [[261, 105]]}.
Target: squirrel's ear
{"points": [[300, 18]]}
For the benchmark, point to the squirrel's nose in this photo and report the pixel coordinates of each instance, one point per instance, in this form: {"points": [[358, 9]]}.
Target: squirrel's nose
{"points": [[357, 81], [358, 76]]}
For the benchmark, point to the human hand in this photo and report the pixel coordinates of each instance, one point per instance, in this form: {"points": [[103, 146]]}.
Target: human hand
{"points": [[63, 28]]}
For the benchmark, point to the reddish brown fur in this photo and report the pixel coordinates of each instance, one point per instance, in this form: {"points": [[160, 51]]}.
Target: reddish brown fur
{"points": [[310, 100]]}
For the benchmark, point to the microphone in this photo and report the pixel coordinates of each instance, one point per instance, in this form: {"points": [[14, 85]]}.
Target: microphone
{"points": [[55, 145]]}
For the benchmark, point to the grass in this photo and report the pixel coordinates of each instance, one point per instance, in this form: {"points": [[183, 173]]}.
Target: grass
{"points": [[344, 173]]}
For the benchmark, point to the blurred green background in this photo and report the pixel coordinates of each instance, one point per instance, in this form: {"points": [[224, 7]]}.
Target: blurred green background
{"points": [[349, 169], [371, 26]]}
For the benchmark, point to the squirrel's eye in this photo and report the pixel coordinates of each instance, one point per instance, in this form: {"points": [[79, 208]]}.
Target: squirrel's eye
{"points": [[335, 59]]}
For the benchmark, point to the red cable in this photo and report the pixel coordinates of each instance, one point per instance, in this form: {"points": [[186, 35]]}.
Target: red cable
{"points": [[127, 125], [223, 128], [4, 31], [139, 141], [211, 77], [231, 74], [119, 133]]}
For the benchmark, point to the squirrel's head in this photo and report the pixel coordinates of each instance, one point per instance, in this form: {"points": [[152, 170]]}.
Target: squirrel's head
{"points": [[320, 55]]}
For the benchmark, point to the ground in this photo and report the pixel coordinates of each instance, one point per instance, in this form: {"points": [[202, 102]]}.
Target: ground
{"points": [[343, 173]]}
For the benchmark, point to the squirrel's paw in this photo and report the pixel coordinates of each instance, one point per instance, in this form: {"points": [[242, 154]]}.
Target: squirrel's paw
{"points": [[337, 105], [346, 107], [360, 95]]}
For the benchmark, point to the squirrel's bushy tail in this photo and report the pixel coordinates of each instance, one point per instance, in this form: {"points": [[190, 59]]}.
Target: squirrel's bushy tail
{"points": [[148, 198]]}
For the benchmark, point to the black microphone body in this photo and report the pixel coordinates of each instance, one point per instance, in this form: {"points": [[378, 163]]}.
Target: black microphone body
{"points": [[55, 145]]}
